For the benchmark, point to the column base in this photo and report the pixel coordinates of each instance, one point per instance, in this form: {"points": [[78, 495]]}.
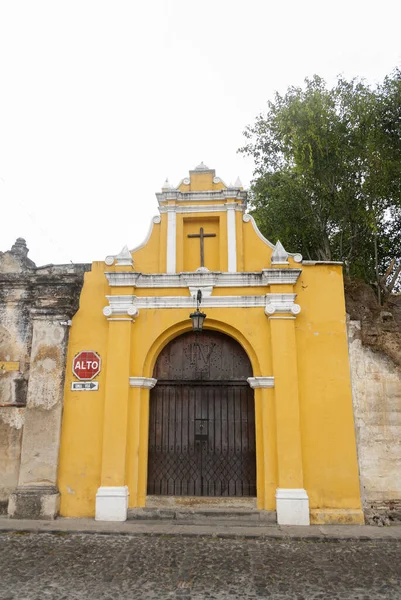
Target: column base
{"points": [[292, 507], [34, 502], [112, 503]]}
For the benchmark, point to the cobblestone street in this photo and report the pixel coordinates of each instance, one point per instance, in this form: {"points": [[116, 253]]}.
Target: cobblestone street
{"points": [[75, 566]]}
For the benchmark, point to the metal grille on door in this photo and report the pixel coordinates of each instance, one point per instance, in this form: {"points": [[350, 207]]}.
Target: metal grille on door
{"points": [[202, 430]]}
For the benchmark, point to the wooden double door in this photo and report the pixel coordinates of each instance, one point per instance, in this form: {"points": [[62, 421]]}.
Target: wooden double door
{"points": [[202, 419]]}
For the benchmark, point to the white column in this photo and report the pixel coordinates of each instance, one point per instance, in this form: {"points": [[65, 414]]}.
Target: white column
{"points": [[231, 239], [171, 238]]}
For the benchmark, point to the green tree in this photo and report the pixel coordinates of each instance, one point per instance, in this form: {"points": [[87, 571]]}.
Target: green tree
{"points": [[328, 172]]}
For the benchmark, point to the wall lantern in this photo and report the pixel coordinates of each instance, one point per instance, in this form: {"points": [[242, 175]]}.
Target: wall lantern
{"points": [[197, 317]]}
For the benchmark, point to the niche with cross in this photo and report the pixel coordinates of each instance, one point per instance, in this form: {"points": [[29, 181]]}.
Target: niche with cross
{"points": [[201, 244]]}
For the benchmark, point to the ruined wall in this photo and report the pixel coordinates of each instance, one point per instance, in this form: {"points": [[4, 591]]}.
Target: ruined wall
{"points": [[374, 336], [15, 335], [35, 307], [11, 423]]}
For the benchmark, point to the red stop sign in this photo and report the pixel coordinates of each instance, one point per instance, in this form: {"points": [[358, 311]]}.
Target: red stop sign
{"points": [[86, 365]]}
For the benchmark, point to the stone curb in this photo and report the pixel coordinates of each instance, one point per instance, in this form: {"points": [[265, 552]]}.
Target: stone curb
{"points": [[314, 533], [191, 534]]}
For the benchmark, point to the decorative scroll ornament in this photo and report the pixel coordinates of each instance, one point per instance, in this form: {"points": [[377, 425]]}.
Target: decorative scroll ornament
{"points": [[281, 303], [120, 306], [123, 259]]}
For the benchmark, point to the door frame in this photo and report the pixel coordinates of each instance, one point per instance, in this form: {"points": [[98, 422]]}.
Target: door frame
{"points": [[138, 420]]}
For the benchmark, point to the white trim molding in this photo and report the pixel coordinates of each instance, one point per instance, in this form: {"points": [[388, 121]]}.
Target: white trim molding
{"points": [[202, 208], [198, 278], [171, 239], [156, 220], [143, 382], [261, 382], [122, 279], [121, 303], [281, 303], [321, 262], [231, 239], [292, 506], [112, 503], [189, 302], [280, 276], [247, 218], [202, 196], [272, 303]]}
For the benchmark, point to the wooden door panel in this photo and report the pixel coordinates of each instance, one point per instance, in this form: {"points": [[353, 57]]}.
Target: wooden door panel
{"points": [[211, 356]]}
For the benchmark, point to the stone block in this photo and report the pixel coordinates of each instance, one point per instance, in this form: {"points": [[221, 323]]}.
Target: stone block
{"points": [[36, 502], [112, 503], [292, 507]]}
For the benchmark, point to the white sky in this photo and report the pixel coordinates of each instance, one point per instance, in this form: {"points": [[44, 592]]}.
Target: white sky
{"points": [[100, 101]]}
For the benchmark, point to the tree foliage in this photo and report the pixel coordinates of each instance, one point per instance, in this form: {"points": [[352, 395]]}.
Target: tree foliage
{"points": [[328, 172]]}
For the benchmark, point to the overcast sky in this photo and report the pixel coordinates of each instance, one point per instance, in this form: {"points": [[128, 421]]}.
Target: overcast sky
{"points": [[100, 101]]}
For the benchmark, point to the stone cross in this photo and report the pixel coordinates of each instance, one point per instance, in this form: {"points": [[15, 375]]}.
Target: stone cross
{"points": [[202, 236]]}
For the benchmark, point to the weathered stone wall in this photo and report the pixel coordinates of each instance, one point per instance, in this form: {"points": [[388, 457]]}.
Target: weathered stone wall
{"points": [[376, 384], [11, 423], [36, 305]]}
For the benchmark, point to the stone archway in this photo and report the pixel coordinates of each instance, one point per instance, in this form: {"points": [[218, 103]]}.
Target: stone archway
{"points": [[202, 419]]}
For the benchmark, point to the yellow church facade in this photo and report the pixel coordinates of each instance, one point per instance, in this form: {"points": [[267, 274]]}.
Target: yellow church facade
{"points": [[256, 405]]}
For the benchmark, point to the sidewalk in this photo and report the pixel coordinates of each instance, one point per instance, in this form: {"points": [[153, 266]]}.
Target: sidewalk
{"points": [[222, 529]]}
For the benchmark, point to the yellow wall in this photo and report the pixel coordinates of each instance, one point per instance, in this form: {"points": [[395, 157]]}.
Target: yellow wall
{"points": [[82, 427], [328, 439], [326, 456]]}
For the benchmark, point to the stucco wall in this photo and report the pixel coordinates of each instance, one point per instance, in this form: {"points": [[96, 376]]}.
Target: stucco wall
{"points": [[376, 384]]}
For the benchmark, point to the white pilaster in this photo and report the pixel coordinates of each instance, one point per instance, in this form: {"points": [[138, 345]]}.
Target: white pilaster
{"points": [[231, 239], [112, 503], [171, 238], [292, 507]]}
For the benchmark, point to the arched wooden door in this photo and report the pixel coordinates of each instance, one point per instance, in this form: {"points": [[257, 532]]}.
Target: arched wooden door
{"points": [[202, 419]]}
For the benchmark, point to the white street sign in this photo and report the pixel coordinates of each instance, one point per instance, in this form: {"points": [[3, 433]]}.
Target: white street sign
{"points": [[82, 386]]}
